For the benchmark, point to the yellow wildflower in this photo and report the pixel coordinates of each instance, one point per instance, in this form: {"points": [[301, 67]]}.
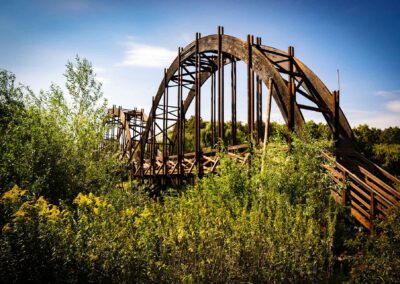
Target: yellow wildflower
{"points": [[13, 194], [53, 213], [82, 199], [42, 205], [129, 212], [22, 212], [145, 213]]}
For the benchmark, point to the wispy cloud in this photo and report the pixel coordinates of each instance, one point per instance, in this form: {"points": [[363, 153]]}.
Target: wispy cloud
{"points": [[380, 119], [143, 55], [101, 74], [391, 94], [393, 106]]}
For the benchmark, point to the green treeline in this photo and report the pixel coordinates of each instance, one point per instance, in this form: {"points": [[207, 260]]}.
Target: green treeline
{"points": [[67, 216]]}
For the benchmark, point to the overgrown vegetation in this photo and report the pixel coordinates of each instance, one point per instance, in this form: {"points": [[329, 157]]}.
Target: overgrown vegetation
{"points": [[64, 219], [381, 146], [50, 146]]}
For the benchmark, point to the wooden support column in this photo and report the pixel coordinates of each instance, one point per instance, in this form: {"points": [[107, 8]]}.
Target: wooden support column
{"points": [[141, 158], [220, 86], [153, 139], [198, 155], [233, 99], [291, 86], [291, 93], [267, 120], [259, 101], [179, 118], [250, 87], [165, 126], [335, 108], [212, 110]]}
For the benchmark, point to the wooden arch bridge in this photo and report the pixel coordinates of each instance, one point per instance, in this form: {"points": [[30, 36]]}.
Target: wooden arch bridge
{"points": [[156, 147]]}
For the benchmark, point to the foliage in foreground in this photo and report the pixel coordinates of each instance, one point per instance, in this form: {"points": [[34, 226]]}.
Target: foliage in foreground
{"points": [[50, 142], [240, 225], [377, 256]]}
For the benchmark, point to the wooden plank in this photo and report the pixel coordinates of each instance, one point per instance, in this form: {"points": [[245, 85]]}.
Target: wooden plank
{"points": [[238, 147], [359, 199], [360, 209], [384, 193], [366, 186], [360, 218], [381, 170], [317, 109], [359, 190], [370, 175]]}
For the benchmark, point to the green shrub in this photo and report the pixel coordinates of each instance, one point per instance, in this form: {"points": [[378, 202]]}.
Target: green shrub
{"points": [[50, 146], [377, 256], [239, 225]]}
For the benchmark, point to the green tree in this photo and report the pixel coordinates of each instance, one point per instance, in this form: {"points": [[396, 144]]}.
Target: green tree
{"points": [[51, 147]]}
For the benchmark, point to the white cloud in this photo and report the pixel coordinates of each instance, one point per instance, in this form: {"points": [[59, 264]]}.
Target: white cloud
{"points": [[393, 93], [100, 74], [379, 119], [103, 80], [393, 106], [99, 70], [143, 55]]}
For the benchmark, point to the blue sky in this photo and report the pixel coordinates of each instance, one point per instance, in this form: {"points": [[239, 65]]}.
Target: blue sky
{"points": [[130, 42]]}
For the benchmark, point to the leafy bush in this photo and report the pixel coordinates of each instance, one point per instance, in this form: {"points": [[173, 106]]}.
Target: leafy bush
{"points": [[377, 257], [239, 225], [388, 156], [381, 146], [49, 146]]}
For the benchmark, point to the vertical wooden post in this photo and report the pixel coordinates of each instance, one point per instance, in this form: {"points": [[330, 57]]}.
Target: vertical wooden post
{"points": [[291, 89], [212, 109], [335, 108], [179, 118], [165, 126], [250, 87], [259, 101], [220, 86], [291, 94], [234, 108], [141, 154], [198, 155], [153, 140], [182, 130], [267, 120]]}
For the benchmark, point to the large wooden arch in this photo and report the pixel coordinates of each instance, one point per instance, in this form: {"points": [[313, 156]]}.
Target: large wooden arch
{"points": [[268, 63], [157, 151]]}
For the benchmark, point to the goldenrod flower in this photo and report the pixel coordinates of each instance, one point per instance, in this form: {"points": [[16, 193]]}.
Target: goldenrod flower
{"points": [[13, 194]]}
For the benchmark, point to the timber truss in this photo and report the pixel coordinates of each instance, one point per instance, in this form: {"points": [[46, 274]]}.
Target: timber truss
{"points": [[156, 146]]}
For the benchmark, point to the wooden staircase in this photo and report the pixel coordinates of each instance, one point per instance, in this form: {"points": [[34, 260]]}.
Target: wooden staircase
{"points": [[367, 189]]}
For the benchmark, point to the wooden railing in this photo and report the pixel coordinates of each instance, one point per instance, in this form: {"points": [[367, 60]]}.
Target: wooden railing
{"points": [[367, 189]]}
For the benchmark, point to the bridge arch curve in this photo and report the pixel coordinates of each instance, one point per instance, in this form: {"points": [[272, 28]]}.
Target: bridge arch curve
{"points": [[267, 63], [157, 151]]}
